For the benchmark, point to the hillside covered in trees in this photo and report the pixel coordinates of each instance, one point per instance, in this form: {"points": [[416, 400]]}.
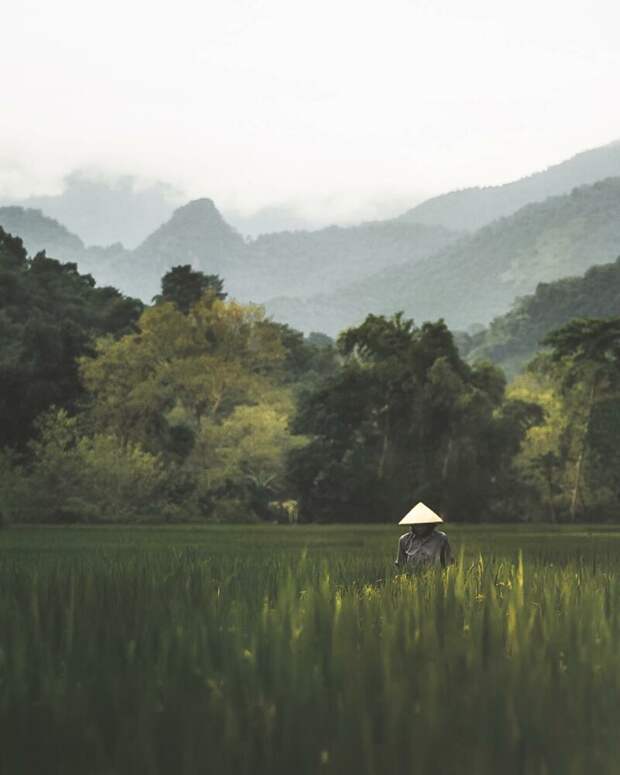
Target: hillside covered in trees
{"points": [[39, 232], [255, 270], [478, 277], [105, 209], [513, 339], [200, 408], [422, 262], [472, 208], [50, 315]]}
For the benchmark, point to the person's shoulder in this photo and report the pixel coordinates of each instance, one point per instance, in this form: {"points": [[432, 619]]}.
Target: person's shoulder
{"points": [[441, 535], [404, 535]]}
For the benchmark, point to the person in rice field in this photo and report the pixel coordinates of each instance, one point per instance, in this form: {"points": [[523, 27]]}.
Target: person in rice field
{"points": [[423, 546]]}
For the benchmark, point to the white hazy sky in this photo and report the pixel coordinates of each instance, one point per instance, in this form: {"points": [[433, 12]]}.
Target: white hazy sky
{"points": [[341, 105]]}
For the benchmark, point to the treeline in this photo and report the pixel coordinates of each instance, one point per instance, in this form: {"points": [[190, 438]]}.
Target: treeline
{"points": [[571, 461], [199, 408], [513, 339]]}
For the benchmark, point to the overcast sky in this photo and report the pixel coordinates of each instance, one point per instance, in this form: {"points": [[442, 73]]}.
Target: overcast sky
{"points": [[340, 106]]}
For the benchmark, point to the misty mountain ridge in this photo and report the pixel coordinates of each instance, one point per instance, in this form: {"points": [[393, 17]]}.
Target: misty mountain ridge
{"points": [[332, 277], [478, 277], [253, 270], [471, 208], [41, 233], [196, 234], [279, 263], [107, 211], [512, 339]]}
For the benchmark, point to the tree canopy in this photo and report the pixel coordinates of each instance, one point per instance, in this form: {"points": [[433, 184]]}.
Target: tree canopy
{"points": [[49, 317], [406, 419], [184, 286]]}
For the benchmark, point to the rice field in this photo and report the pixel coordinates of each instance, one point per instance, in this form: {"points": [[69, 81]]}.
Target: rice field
{"points": [[299, 649]]}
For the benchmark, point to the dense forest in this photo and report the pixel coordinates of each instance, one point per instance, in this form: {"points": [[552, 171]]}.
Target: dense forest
{"points": [[477, 278], [329, 279], [513, 339], [473, 208], [279, 264], [197, 407]]}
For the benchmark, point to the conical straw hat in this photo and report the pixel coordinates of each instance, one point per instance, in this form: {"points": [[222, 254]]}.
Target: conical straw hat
{"points": [[420, 515]]}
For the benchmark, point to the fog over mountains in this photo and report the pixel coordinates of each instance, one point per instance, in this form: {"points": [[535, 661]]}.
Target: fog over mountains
{"points": [[478, 277], [472, 208], [463, 256], [512, 339], [104, 211], [283, 263]]}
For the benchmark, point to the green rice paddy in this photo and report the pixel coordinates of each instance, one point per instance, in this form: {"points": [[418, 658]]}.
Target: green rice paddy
{"points": [[299, 649]]}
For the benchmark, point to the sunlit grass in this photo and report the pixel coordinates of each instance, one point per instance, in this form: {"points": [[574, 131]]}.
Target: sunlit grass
{"points": [[282, 650]]}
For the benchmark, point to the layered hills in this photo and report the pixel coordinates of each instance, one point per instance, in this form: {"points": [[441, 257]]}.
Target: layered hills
{"points": [[103, 211], [512, 339], [425, 262], [254, 270], [39, 232], [472, 208], [196, 234], [478, 277]]}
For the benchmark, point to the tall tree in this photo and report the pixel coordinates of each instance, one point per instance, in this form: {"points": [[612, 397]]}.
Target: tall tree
{"points": [[589, 350], [204, 392], [405, 419], [49, 316], [184, 286]]}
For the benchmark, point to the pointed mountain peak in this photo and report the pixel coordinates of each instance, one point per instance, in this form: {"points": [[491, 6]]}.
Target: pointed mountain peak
{"points": [[198, 235], [197, 220], [202, 205], [197, 216]]}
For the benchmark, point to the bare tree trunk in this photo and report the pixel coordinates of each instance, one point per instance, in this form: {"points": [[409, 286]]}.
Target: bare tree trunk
{"points": [[384, 450], [446, 460], [444, 476], [582, 454]]}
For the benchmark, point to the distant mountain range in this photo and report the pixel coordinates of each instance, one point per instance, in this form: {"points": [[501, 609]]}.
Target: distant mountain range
{"points": [[512, 339], [105, 211], [472, 208], [478, 277], [39, 232], [424, 262], [254, 270]]}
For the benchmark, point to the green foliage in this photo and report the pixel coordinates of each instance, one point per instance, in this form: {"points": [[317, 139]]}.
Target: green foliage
{"points": [[405, 420], [477, 278], [588, 343], [76, 477], [49, 314], [243, 458], [206, 408], [572, 459], [307, 360], [184, 287], [512, 339], [589, 352], [202, 364], [228, 650], [206, 391], [13, 487]]}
